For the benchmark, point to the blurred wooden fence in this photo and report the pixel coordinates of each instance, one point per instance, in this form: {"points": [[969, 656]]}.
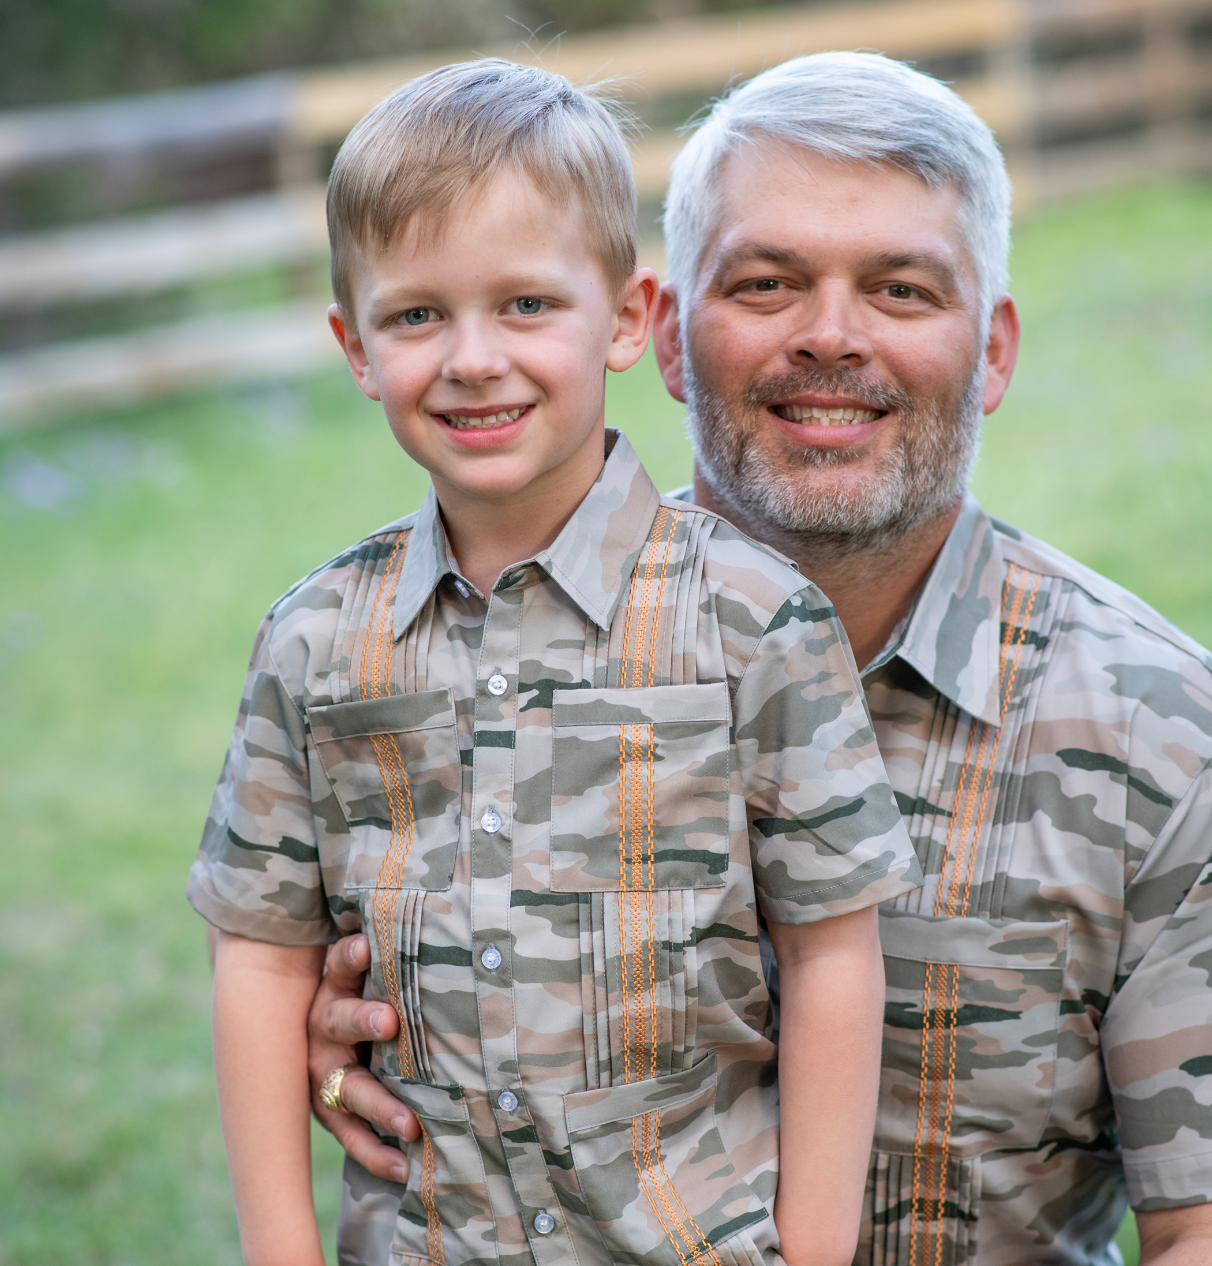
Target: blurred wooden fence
{"points": [[1082, 93]]}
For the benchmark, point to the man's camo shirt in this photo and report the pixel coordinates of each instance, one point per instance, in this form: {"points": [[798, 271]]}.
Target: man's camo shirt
{"points": [[1074, 1058], [569, 882]]}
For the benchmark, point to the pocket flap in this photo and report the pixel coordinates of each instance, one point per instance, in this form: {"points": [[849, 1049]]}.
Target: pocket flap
{"points": [[588, 1109], [925, 938], [644, 705], [392, 714], [429, 1101]]}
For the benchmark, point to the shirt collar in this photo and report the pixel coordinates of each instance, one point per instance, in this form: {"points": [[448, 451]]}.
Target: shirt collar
{"points": [[953, 635], [591, 559]]}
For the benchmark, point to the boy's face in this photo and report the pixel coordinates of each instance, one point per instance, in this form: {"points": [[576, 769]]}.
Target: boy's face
{"points": [[487, 345]]}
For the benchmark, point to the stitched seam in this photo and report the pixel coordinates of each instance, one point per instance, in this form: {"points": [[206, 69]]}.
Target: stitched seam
{"points": [[660, 1182], [702, 1239], [953, 898], [624, 987], [640, 1126], [649, 882], [379, 647]]}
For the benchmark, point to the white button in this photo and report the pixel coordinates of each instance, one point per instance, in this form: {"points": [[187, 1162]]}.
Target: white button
{"points": [[462, 588], [544, 1223], [491, 958], [491, 821], [497, 684], [508, 1101]]}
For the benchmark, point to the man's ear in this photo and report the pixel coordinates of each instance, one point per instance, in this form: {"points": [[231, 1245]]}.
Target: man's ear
{"points": [[1001, 351], [355, 353], [667, 342], [633, 320]]}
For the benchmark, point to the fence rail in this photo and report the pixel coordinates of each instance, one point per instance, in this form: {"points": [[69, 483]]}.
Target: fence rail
{"points": [[1080, 92]]}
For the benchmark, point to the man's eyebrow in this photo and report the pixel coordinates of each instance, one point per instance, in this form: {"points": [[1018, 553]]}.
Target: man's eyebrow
{"points": [[932, 265], [758, 253]]}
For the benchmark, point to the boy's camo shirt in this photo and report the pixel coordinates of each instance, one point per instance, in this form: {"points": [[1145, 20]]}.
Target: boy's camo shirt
{"points": [[578, 1104]]}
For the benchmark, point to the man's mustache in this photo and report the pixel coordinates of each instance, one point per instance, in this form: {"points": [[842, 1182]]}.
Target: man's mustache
{"points": [[827, 382]]}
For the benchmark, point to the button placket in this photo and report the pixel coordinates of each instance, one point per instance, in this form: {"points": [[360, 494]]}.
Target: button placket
{"points": [[491, 891]]}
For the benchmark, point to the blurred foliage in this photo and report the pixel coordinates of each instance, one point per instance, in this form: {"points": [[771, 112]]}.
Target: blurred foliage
{"points": [[140, 549], [60, 50]]}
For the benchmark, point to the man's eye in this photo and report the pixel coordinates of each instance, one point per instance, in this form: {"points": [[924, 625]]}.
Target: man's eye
{"points": [[528, 307], [766, 285], [415, 316], [898, 290]]}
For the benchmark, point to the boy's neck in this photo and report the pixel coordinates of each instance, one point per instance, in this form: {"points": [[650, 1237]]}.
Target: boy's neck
{"points": [[487, 535]]}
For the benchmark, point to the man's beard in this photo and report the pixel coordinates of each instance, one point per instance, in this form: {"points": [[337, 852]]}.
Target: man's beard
{"points": [[922, 475]]}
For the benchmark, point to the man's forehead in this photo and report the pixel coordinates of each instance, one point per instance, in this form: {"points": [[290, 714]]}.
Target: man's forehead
{"points": [[785, 201]]}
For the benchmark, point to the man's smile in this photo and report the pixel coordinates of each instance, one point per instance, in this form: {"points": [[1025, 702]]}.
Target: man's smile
{"points": [[812, 415]]}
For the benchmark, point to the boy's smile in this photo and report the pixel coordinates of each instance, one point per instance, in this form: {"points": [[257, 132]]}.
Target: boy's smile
{"points": [[486, 338]]}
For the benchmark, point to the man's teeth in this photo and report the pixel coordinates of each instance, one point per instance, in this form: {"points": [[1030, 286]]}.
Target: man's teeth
{"points": [[464, 422], [827, 417]]}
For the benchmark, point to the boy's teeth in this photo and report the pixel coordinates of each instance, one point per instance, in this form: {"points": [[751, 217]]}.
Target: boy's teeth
{"points": [[463, 422], [827, 417]]}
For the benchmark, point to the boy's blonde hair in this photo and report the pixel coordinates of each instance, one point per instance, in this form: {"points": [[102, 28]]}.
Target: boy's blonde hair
{"points": [[441, 137]]}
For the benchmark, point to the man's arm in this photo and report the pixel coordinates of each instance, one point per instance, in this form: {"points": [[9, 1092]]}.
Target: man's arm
{"points": [[831, 986], [1176, 1237], [262, 994], [340, 1018]]}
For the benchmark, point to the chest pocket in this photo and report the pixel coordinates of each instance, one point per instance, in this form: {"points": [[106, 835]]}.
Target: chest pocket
{"points": [[394, 766], [640, 788], [999, 983]]}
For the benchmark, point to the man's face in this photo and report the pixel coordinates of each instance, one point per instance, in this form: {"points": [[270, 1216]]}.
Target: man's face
{"points": [[833, 363]]}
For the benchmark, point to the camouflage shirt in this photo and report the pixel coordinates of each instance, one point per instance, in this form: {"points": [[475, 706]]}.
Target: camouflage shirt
{"points": [[560, 814], [1048, 1024]]}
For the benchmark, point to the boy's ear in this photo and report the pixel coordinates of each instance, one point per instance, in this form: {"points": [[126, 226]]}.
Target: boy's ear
{"points": [[355, 353], [633, 320]]}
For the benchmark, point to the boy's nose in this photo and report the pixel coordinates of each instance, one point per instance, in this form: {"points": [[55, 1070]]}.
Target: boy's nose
{"points": [[474, 357]]}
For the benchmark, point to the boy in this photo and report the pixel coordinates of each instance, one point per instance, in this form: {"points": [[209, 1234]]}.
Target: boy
{"points": [[557, 744]]}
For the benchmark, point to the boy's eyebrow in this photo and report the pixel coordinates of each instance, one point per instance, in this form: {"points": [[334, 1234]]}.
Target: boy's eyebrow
{"points": [[783, 257], [391, 291]]}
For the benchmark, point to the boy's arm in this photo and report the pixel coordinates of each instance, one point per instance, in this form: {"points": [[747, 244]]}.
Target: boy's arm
{"points": [[831, 988], [261, 999]]}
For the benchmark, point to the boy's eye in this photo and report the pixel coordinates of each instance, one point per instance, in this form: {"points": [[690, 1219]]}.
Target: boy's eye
{"points": [[528, 307], [415, 316]]}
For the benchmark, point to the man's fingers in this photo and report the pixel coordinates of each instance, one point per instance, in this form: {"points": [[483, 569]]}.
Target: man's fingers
{"points": [[362, 1094], [346, 962], [347, 1021], [362, 1144]]}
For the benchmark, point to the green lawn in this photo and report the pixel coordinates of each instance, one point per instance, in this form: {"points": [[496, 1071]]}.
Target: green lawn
{"points": [[139, 550]]}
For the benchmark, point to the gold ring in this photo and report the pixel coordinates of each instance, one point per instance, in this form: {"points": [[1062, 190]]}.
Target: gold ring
{"points": [[330, 1089]]}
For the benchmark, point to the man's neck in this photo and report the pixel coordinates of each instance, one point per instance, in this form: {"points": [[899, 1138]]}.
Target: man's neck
{"points": [[870, 590]]}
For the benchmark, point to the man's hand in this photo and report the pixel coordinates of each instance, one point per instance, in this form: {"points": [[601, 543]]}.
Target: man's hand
{"points": [[340, 1017]]}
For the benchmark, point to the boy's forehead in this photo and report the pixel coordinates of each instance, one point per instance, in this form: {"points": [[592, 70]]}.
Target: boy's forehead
{"points": [[507, 228]]}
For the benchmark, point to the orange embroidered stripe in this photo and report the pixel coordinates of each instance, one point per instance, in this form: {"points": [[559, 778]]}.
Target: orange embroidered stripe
{"points": [[637, 876], [940, 993], [640, 1148], [624, 985], [375, 680]]}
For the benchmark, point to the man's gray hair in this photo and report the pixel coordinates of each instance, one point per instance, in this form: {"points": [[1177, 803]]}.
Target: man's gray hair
{"points": [[852, 107]]}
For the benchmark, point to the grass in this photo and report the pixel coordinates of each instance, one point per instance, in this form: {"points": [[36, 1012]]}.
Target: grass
{"points": [[139, 550]]}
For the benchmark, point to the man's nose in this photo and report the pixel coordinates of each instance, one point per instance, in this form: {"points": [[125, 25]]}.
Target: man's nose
{"points": [[831, 332], [473, 355]]}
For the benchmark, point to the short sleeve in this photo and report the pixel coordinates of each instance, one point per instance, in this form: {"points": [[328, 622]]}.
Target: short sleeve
{"points": [[826, 836], [257, 872], [1156, 1034]]}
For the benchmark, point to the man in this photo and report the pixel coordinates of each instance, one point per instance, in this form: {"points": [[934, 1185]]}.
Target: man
{"points": [[836, 323]]}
